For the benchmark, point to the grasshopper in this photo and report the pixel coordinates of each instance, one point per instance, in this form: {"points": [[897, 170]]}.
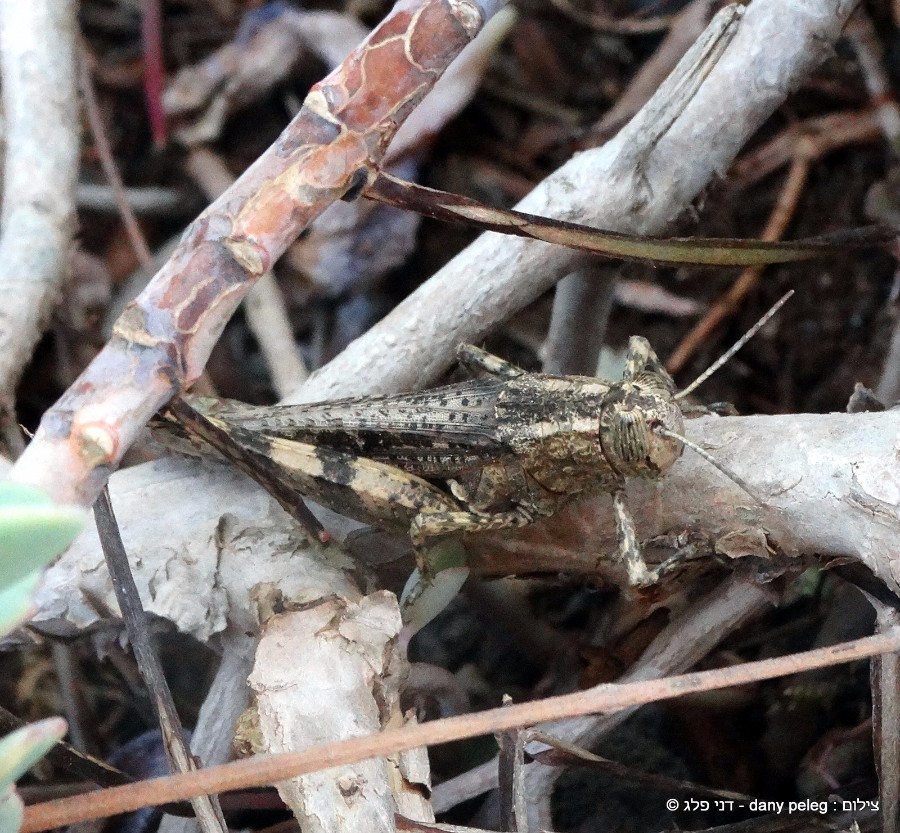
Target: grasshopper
{"points": [[495, 452]]}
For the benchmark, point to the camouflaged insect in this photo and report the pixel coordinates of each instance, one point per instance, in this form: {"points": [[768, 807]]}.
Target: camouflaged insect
{"points": [[495, 452]]}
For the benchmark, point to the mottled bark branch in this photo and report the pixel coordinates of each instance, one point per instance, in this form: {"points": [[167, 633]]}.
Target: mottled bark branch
{"points": [[164, 337]]}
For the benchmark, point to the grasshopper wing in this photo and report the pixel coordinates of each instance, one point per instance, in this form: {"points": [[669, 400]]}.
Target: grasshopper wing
{"points": [[437, 433]]}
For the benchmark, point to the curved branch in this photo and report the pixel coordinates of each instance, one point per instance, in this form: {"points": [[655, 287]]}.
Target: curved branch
{"points": [[164, 337]]}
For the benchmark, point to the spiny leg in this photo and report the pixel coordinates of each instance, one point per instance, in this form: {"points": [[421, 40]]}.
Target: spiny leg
{"points": [[629, 549], [429, 525], [476, 360]]}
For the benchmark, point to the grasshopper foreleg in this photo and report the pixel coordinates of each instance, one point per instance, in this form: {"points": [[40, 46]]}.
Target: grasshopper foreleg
{"points": [[629, 549]]}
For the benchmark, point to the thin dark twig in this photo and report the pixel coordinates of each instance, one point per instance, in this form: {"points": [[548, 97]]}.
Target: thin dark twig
{"points": [[511, 763], [154, 71], [66, 672], [107, 161], [209, 814], [885, 676], [562, 753]]}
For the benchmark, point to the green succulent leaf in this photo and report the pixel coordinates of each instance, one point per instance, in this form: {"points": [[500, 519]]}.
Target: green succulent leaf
{"points": [[21, 494], [33, 531], [20, 750], [424, 597], [15, 602], [11, 811]]}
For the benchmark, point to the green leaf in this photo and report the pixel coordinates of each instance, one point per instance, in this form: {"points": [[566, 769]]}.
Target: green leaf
{"points": [[423, 600], [15, 602], [33, 531], [11, 810], [20, 750], [21, 494], [424, 597]]}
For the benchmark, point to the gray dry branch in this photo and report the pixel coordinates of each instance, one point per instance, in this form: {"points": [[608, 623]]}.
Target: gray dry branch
{"points": [[829, 484], [40, 108], [625, 186]]}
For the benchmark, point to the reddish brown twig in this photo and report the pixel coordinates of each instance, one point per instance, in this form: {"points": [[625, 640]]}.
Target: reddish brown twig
{"points": [[164, 337], [154, 71], [822, 135], [272, 768]]}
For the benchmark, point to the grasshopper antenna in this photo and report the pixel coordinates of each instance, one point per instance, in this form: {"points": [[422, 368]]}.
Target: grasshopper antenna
{"points": [[664, 432], [737, 346]]}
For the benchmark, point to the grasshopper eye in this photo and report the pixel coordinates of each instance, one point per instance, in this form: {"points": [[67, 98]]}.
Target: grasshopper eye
{"points": [[630, 419]]}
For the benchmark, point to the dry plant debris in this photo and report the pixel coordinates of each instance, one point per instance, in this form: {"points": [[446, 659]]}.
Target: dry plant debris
{"points": [[780, 124]]}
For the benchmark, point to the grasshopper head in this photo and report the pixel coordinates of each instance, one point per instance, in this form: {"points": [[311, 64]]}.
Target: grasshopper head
{"points": [[634, 410], [641, 421]]}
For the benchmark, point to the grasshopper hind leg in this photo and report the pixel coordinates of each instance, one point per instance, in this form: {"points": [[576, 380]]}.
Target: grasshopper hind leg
{"points": [[629, 550], [426, 594], [429, 525]]}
